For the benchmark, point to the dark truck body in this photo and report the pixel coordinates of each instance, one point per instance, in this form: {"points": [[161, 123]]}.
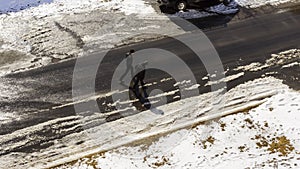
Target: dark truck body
{"points": [[192, 3]]}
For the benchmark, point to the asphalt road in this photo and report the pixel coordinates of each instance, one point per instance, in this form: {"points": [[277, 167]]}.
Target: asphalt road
{"points": [[239, 43]]}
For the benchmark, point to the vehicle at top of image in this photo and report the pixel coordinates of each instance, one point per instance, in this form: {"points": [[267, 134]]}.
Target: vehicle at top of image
{"points": [[182, 5]]}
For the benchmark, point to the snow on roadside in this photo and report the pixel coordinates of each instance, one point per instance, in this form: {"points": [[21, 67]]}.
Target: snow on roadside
{"points": [[280, 59], [226, 79], [54, 7], [46, 33], [57, 7], [263, 137], [258, 3], [46, 28], [176, 116], [15, 25], [231, 8], [15, 6]]}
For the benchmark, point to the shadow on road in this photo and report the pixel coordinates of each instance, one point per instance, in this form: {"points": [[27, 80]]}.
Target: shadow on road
{"points": [[211, 22]]}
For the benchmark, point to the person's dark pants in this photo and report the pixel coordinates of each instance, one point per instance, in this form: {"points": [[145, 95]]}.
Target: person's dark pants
{"points": [[142, 96]]}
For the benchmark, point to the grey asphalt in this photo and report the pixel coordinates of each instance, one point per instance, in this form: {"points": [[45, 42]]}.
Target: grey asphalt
{"points": [[238, 43]]}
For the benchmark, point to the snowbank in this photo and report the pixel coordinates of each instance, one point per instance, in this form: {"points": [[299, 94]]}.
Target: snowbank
{"points": [[232, 8], [56, 7], [263, 137], [99, 135], [44, 28], [284, 59], [177, 115], [46, 33], [50, 7], [258, 3], [15, 6]]}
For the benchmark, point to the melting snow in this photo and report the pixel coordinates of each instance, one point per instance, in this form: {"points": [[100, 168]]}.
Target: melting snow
{"points": [[263, 137], [276, 59], [258, 3]]}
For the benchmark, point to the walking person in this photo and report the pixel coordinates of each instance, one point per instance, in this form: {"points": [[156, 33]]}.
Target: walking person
{"points": [[129, 67]]}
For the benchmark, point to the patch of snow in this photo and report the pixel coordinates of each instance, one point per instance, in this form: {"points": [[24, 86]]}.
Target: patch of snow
{"points": [[183, 83], [263, 137], [291, 65], [192, 13], [56, 7], [195, 86], [136, 7], [164, 94], [258, 3], [8, 117], [283, 58], [186, 85], [176, 116], [205, 78], [17, 5], [166, 79], [250, 67], [226, 79], [48, 33], [232, 8]]}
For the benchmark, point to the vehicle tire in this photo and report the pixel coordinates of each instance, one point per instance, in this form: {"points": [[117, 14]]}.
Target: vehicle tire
{"points": [[181, 5], [226, 2]]}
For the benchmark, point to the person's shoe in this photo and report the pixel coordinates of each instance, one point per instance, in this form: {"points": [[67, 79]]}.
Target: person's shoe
{"points": [[147, 105]]}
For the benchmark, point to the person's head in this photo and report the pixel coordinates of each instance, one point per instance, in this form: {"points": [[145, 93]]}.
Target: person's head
{"points": [[131, 51]]}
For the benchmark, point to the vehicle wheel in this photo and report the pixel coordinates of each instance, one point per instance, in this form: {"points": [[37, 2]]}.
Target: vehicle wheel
{"points": [[181, 5], [226, 2]]}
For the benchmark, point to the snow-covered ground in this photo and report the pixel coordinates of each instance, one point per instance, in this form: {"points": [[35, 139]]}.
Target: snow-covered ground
{"points": [[56, 7], [258, 3], [51, 31], [266, 136], [49, 7], [263, 137], [280, 59], [15, 6], [249, 135], [48, 31], [232, 8]]}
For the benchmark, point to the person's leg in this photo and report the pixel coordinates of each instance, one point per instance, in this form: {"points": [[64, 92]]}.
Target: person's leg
{"points": [[142, 77], [141, 93], [144, 89], [144, 99], [136, 88]]}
